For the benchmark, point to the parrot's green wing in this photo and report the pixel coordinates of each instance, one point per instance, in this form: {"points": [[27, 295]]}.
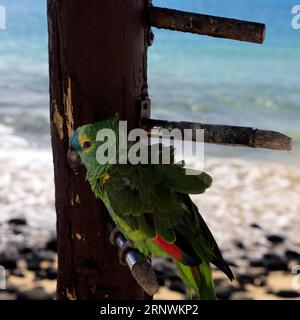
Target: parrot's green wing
{"points": [[185, 181], [153, 199], [141, 194], [196, 230]]}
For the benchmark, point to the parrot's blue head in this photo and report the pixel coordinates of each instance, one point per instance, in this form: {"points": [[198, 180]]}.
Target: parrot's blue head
{"points": [[83, 143]]}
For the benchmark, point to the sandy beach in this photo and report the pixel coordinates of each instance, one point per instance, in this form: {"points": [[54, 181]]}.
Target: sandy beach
{"points": [[252, 209]]}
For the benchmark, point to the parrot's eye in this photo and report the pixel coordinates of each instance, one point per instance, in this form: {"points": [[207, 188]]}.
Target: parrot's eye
{"points": [[87, 144]]}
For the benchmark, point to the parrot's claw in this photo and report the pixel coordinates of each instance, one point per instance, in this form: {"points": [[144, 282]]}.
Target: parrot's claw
{"points": [[113, 236], [122, 252]]}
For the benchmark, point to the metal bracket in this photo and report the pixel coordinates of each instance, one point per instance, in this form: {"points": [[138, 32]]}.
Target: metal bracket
{"points": [[149, 3], [145, 108], [150, 38]]}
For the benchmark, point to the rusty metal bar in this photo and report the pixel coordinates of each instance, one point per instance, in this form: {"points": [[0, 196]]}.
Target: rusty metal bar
{"points": [[225, 135], [207, 25]]}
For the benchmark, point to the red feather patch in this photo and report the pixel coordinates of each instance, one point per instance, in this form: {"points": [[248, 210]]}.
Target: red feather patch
{"points": [[169, 248]]}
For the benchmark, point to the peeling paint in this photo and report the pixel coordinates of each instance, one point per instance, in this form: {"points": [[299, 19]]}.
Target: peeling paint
{"points": [[78, 236], [71, 295], [77, 199], [58, 120], [69, 108]]}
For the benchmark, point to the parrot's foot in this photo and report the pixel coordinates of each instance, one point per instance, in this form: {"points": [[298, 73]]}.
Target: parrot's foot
{"points": [[122, 252], [113, 236]]}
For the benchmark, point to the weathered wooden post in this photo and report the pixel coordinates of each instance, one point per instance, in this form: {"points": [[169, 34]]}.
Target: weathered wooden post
{"points": [[98, 66]]}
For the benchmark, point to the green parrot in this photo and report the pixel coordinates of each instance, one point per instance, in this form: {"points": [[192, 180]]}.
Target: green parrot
{"points": [[150, 205]]}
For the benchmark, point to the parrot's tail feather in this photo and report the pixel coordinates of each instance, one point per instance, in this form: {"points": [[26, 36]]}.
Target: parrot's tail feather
{"points": [[223, 266], [198, 278]]}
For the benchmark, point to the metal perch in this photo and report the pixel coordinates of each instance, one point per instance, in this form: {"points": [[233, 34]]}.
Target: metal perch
{"points": [[137, 263]]}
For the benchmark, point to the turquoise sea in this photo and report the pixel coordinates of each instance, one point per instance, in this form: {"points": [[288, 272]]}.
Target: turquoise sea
{"points": [[191, 77]]}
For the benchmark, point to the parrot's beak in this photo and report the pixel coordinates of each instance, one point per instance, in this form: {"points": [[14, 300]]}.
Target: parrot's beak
{"points": [[73, 159]]}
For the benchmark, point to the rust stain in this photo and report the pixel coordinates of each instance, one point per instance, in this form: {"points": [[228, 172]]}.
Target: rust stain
{"points": [[69, 108], [58, 120]]}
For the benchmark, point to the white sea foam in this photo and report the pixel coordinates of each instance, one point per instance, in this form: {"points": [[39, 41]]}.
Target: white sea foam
{"points": [[26, 188]]}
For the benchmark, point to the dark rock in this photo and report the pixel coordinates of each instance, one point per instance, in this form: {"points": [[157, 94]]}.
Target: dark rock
{"points": [[17, 231], [224, 292], [52, 245], [17, 222], [8, 261], [25, 250], [37, 293], [17, 273], [48, 256], [244, 278], [40, 275], [33, 262], [33, 265], [276, 266], [261, 281], [255, 226], [174, 277], [219, 282], [161, 278], [287, 294], [51, 274], [271, 255], [273, 262], [239, 244], [256, 263], [165, 269], [177, 286], [251, 275], [292, 255], [275, 239]]}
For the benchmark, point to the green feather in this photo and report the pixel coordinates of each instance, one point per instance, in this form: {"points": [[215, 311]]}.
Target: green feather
{"points": [[176, 176], [146, 227], [200, 279], [150, 200]]}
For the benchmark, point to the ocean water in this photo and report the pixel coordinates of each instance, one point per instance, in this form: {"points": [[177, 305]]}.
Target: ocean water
{"points": [[191, 77]]}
